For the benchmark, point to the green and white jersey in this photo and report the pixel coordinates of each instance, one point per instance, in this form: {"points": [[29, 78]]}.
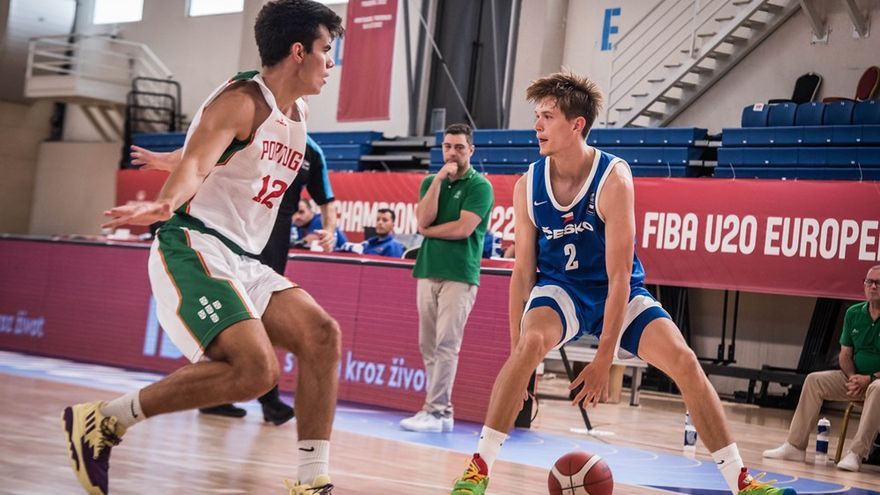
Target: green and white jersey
{"points": [[240, 196]]}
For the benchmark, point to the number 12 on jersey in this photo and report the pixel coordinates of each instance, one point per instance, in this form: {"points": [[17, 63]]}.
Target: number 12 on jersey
{"points": [[571, 252], [278, 188]]}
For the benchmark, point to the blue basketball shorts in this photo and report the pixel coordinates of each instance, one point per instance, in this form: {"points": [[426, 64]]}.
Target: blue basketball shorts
{"points": [[582, 312]]}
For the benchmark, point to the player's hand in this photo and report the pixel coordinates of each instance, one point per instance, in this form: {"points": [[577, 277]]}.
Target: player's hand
{"points": [[595, 383], [449, 170], [326, 239], [151, 160], [142, 213]]}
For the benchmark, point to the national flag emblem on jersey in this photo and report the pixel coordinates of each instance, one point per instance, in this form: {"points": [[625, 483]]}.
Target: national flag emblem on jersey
{"points": [[568, 217]]}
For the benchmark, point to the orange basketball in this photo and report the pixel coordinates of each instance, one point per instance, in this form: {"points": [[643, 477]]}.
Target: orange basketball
{"points": [[580, 473]]}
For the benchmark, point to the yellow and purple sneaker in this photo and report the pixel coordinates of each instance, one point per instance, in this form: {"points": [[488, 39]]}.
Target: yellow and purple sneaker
{"points": [[90, 436]]}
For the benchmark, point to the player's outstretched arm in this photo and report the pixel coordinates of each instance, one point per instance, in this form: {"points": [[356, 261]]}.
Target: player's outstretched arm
{"points": [[617, 206], [230, 116], [525, 261], [155, 160]]}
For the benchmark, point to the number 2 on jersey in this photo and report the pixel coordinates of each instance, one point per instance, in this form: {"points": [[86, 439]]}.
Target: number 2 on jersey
{"points": [[278, 188], [571, 252]]}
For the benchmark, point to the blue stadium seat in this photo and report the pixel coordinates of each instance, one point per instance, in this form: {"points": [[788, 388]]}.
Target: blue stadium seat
{"points": [[347, 165], [345, 137], [755, 115], [838, 113], [335, 152], [868, 156], [781, 114], [870, 135], [668, 136], [816, 173], [817, 135], [159, 141], [658, 171], [867, 113], [500, 137], [487, 154], [809, 113]]}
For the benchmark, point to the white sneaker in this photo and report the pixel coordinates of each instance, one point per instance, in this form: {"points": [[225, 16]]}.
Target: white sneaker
{"points": [[850, 462], [787, 452], [426, 422]]}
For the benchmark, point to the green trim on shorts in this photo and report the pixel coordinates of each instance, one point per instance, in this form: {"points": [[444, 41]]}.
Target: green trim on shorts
{"points": [[183, 220], [207, 305]]}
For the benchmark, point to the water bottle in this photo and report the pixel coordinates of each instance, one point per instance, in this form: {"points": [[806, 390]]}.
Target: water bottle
{"points": [[690, 436], [823, 429]]}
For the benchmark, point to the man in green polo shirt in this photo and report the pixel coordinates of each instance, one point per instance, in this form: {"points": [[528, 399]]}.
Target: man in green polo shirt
{"points": [[857, 379], [453, 214]]}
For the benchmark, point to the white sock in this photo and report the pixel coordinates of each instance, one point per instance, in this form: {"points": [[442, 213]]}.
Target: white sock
{"points": [[314, 459], [126, 409], [490, 444], [728, 461]]}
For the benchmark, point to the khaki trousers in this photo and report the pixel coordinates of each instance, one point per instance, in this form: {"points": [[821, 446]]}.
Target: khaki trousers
{"points": [[831, 385], [444, 306]]}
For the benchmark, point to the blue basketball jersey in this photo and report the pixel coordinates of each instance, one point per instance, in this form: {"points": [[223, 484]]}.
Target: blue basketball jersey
{"points": [[571, 239]]}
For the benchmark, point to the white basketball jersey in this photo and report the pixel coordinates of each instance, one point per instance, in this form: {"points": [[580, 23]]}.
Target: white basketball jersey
{"points": [[240, 196]]}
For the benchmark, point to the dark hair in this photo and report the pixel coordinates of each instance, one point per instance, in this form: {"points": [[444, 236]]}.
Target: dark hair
{"points": [[576, 96], [281, 23], [389, 211], [461, 129]]}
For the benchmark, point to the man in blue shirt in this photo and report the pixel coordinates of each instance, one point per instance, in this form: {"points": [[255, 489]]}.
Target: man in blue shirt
{"points": [[308, 227], [384, 243], [381, 244]]}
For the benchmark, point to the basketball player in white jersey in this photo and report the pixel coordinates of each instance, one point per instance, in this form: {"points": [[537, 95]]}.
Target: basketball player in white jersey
{"points": [[577, 273], [222, 308]]}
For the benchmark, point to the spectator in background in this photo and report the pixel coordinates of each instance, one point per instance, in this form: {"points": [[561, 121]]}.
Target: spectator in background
{"points": [[308, 227], [383, 243], [855, 380], [453, 215]]}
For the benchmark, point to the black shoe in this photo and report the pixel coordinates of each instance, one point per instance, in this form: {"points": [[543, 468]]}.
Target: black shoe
{"points": [[228, 410], [276, 412]]}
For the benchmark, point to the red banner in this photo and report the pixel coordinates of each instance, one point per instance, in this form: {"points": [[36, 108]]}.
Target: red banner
{"points": [[365, 88], [92, 303], [808, 238]]}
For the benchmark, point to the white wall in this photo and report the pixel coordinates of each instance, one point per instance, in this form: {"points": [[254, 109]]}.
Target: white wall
{"points": [[22, 128], [201, 52], [770, 70], [75, 183], [323, 107]]}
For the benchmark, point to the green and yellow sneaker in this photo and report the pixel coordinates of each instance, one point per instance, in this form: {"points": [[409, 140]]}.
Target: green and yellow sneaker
{"points": [[475, 479], [754, 486], [320, 486]]}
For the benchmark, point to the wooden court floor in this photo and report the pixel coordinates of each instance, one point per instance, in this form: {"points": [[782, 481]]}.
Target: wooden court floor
{"points": [[188, 453]]}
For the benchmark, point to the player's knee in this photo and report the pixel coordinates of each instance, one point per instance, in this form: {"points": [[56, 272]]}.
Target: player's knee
{"points": [[686, 366], [531, 347], [327, 339], [266, 376]]}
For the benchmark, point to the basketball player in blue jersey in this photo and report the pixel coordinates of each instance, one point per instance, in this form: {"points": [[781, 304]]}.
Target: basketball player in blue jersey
{"points": [[575, 222], [220, 306]]}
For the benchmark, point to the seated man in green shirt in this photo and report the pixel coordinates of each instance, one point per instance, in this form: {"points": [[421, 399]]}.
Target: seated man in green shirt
{"points": [[453, 215], [855, 380]]}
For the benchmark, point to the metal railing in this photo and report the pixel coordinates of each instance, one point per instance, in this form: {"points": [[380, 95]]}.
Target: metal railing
{"points": [[669, 32], [93, 57]]}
